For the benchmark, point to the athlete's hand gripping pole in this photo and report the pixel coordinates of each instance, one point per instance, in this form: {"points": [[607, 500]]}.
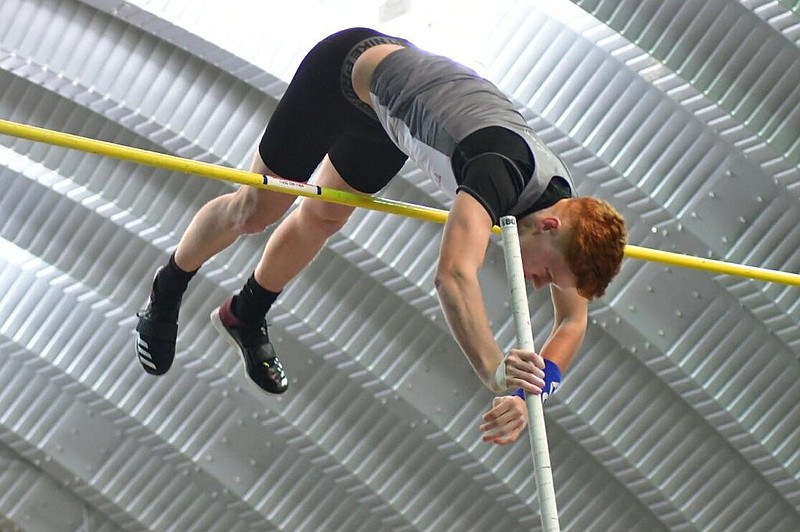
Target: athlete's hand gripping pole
{"points": [[536, 428]]}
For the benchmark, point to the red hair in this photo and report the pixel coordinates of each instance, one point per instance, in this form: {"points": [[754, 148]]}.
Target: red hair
{"points": [[595, 246]]}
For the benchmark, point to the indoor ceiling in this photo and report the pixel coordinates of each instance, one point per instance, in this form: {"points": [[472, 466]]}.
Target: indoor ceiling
{"points": [[682, 411]]}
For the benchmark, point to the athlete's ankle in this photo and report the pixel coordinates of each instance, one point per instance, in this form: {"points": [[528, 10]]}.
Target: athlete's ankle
{"points": [[171, 282], [252, 302]]}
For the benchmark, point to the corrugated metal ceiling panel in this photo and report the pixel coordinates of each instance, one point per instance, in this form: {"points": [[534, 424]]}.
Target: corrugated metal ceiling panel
{"points": [[664, 422]]}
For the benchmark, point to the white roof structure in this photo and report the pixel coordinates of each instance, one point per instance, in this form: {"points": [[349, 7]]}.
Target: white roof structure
{"points": [[681, 413]]}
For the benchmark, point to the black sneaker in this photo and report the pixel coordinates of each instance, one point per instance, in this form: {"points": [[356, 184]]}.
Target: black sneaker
{"points": [[252, 342], [156, 334]]}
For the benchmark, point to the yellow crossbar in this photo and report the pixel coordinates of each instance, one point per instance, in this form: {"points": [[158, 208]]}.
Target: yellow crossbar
{"points": [[364, 201]]}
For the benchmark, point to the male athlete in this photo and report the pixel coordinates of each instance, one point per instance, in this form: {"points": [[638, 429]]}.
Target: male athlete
{"points": [[361, 104]]}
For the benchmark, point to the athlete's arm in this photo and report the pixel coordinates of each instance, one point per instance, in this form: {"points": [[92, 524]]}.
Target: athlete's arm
{"points": [[571, 313], [504, 422], [464, 242]]}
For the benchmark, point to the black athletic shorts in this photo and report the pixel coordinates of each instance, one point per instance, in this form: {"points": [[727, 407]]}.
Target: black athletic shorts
{"points": [[318, 115]]}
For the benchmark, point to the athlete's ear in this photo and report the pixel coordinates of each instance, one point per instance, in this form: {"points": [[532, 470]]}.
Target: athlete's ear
{"points": [[532, 223], [550, 222]]}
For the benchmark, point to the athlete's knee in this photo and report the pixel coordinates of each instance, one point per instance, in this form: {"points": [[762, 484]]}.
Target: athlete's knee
{"points": [[327, 218], [248, 212], [251, 223]]}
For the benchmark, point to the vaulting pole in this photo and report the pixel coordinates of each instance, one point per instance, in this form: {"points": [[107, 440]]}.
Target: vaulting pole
{"points": [[223, 173], [545, 490]]}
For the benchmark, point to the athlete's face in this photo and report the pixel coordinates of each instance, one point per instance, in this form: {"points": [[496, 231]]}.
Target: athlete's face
{"points": [[542, 260]]}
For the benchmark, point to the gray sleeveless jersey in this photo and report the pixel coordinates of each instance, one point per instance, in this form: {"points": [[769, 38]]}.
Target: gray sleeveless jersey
{"points": [[428, 103]]}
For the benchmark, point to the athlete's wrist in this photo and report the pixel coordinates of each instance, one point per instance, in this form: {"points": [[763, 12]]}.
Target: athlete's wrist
{"points": [[552, 380]]}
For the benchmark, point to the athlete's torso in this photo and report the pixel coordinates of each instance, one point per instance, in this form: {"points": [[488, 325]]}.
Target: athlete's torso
{"points": [[427, 104]]}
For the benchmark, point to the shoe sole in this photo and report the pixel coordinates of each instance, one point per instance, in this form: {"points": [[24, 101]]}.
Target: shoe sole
{"points": [[140, 346], [217, 323]]}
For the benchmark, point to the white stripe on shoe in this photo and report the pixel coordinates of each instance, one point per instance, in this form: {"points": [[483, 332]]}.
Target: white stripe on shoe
{"points": [[147, 363], [144, 355], [142, 348]]}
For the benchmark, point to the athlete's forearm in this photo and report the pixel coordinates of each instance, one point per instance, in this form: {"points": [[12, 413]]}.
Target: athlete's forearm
{"points": [[569, 327], [564, 342], [463, 307]]}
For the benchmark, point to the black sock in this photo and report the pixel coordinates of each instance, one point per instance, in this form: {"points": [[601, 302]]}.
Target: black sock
{"points": [[171, 281], [253, 301]]}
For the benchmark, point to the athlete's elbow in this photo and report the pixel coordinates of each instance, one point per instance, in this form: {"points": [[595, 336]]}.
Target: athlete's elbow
{"points": [[452, 283], [447, 278], [443, 284]]}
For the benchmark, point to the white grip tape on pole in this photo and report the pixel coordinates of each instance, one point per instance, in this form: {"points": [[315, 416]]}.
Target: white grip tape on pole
{"points": [[536, 427]]}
